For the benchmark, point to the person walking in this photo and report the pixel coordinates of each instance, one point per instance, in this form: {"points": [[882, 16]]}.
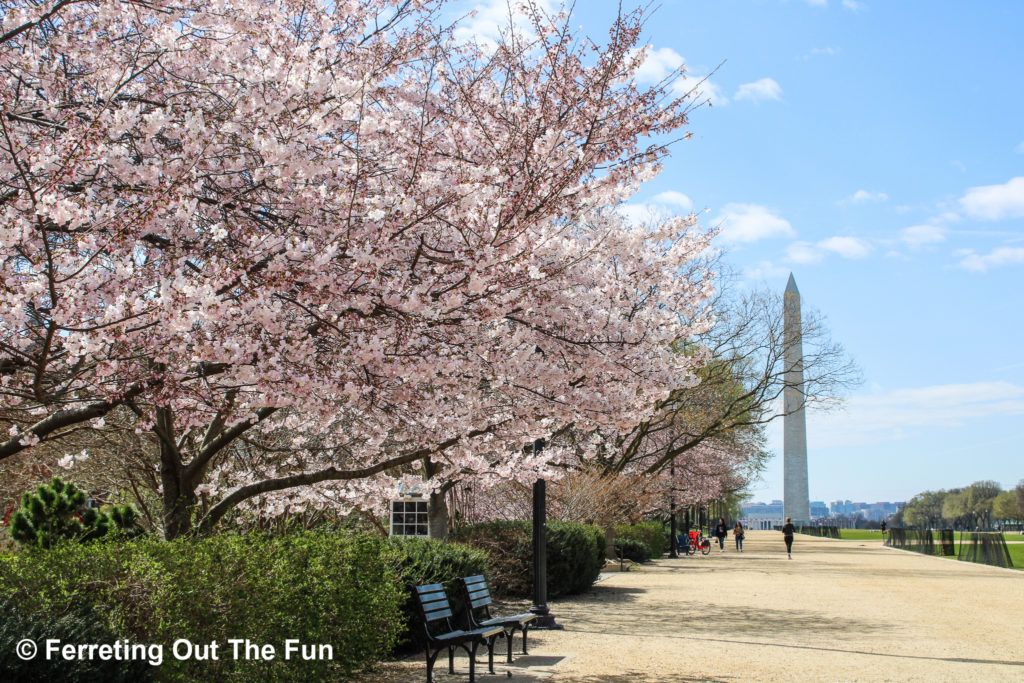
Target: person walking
{"points": [[721, 531], [737, 532], [787, 535]]}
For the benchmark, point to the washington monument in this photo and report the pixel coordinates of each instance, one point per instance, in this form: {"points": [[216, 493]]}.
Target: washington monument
{"points": [[795, 503]]}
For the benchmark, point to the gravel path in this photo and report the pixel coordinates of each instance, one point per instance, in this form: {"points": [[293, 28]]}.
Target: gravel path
{"points": [[839, 611]]}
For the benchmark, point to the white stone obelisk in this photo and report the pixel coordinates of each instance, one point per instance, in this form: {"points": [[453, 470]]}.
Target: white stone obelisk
{"points": [[795, 500]]}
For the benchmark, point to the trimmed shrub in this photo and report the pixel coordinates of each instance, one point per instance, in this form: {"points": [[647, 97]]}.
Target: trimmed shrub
{"points": [[79, 627], [318, 588], [650, 533], [418, 561], [575, 555], [510, 548], [631, 549]]}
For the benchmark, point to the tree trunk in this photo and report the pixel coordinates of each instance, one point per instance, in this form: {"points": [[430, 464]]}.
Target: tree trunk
{"points": [[437, 507], [437, 516], [179, 500], [609, 539]]}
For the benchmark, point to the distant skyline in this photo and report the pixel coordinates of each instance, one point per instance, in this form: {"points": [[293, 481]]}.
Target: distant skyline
{"points": [[876, 150]]}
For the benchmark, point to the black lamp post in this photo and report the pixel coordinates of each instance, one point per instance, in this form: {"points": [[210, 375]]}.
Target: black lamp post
{"points": [[545, 619]]}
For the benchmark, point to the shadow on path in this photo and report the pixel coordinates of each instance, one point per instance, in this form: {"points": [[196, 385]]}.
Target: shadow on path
{"points": [[791, 646]]}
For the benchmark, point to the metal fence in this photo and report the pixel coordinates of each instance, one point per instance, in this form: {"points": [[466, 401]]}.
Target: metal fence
{"points": [[981, 547], [985, 548]]}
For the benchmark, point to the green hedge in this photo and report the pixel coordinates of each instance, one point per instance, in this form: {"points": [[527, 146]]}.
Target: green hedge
{"points": [[319, 588], [81, 627], [421, 561], [650, 533], [575, 555], [631, 549]]}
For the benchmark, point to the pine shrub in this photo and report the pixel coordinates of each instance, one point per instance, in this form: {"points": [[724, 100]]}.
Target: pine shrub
{"points": [[58, 511]]}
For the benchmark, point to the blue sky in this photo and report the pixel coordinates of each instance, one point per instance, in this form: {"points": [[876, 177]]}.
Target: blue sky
{"points": [[876, 150]]}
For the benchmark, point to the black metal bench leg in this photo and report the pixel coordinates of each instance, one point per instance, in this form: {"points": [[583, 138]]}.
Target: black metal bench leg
{"points": [[490, 652], [472, 661], [525, 629], [508, 643], [451, 659], [430, 663]]}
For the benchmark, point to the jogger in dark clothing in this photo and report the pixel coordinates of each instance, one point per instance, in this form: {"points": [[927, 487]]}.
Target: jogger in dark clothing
{"points": [[787, 535]]}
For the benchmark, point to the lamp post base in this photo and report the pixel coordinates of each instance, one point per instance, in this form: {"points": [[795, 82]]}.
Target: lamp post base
{"points": [[545, 620]]}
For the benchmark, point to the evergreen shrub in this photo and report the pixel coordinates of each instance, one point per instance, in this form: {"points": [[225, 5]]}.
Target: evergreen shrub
{"points": [[650, 533], [58, 511], [575, 556], [418, 561], [631, 549], [82, 626]]}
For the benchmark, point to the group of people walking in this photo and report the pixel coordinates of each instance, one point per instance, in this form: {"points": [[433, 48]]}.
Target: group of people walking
{"points": [[722, 530]]}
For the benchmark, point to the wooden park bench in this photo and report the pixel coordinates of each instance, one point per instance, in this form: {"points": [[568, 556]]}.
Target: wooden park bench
{"points": [[478, 606], [441, 633]]}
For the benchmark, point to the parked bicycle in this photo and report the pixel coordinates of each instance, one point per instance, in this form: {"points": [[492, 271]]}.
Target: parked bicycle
{"points": [[695, 541]]}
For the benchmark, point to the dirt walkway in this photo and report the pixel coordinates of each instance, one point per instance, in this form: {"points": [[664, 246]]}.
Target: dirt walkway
{"points": [[839, 611]]}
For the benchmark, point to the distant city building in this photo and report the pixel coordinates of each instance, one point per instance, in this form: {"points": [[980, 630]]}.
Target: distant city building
{"points": [[769, 511], [820, 511]]}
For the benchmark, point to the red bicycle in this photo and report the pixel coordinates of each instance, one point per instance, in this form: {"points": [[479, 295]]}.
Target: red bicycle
{"points": [[696, 541]]}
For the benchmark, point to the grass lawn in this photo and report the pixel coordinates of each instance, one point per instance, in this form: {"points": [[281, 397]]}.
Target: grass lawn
{"points": [[1016, 549], [1017, 555], [860, 534], [867, 534]]}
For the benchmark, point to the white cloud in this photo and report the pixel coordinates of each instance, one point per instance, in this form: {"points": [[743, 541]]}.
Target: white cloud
{"points": [[759, 91], [863, 196], [804, 252], [673, 198], [854, 5], [917, 236], [751, 222], [980, 263], [764, 271], [664, 62], [995, 202], [887, 416], [703, 88], [488, 20], [659, 207], [827, 51], [659, 64], [1019, 149], [847, 247]]}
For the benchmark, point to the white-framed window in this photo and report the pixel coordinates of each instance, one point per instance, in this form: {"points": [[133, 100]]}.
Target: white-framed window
{"points": [[409, 517]]}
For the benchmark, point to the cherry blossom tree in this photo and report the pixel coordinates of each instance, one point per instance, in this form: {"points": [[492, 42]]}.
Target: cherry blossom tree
{"points": [[740, 388], [334, 227]]}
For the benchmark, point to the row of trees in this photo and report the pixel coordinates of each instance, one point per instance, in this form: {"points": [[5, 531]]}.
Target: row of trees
{"points": [[285, 255], [979, 505]]}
